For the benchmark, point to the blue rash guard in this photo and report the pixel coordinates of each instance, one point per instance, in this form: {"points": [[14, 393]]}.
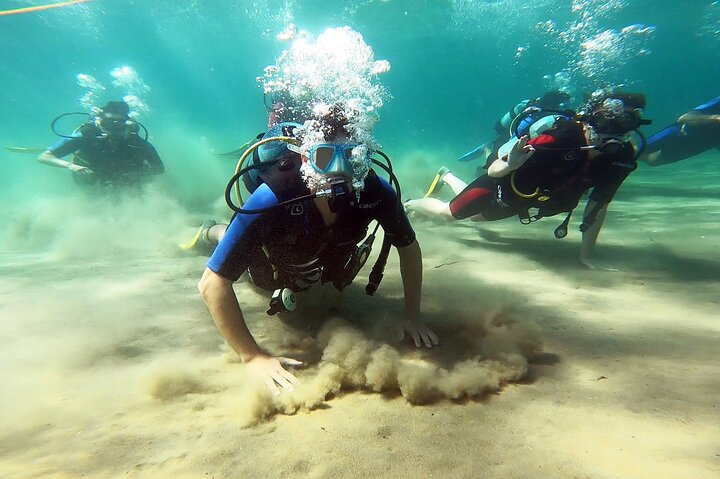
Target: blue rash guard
{"points": [[291, 247], [122, 162], [681, 141]]}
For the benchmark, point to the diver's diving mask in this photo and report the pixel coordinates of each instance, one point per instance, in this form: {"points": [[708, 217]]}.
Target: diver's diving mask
{"points": [[114, 125], [331, 163], [616, 124], [332, 159], [617, 114]]}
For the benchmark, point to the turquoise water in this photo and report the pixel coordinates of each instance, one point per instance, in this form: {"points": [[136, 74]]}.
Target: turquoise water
{"points": [[456, 66], [111, 364]]}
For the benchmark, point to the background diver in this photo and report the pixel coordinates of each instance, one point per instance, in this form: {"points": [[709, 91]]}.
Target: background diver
{"points": [[694, 132], [550, 171], [108, 151]]}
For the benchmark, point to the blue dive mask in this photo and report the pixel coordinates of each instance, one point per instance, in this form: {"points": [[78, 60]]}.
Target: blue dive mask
{"points": [[332, 159]]}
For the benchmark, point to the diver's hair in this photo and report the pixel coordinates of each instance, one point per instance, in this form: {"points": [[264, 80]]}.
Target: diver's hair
{"points": [[631, 101], [334, 122], [116, 108]]}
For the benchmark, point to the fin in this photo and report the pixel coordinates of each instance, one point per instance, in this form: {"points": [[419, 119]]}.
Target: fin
{"points": [[437, 183], [239, 151], [199, 241], [481, 151], [26, 150]]}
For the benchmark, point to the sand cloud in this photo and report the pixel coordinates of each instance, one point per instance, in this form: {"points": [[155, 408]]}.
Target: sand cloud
{"points": [[476, 358]]}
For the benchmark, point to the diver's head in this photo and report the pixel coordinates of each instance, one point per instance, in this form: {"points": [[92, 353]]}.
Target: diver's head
{"points": [[275, 152], [334, 160], [615, 114], [114, 119]]}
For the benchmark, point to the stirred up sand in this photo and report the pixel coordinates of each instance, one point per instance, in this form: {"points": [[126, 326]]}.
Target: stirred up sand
{"points": [[111, 366]]}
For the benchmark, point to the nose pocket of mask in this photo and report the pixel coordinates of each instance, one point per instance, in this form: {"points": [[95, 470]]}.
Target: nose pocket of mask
{"points": [[322, 157]]}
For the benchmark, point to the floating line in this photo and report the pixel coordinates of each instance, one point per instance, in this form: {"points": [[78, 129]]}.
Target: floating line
{"points": [[38, 8]]}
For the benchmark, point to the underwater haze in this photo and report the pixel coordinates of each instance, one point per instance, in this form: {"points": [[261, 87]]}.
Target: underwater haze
{"points": [[111, 366]]}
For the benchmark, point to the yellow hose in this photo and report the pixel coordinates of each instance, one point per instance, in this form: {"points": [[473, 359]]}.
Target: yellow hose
{"points": [[38, 8], [286, 139], [520, 193]]}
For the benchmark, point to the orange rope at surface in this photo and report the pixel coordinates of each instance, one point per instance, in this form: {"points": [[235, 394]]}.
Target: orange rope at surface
{"points": [[40, 7]]}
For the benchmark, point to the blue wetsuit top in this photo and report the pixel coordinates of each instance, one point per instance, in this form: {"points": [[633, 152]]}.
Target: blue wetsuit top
{"points": [[290, 246], [680, 141], [110, 161]]}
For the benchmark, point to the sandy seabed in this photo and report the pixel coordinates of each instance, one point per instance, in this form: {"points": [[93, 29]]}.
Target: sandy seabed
{"points": [[111, 366]]}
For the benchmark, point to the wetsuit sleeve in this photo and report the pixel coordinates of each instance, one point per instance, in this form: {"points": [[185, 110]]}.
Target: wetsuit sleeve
{"points": [[67, 145], [662, 139], [242, 239], [392, 217], [608, 179], [153, 165]]}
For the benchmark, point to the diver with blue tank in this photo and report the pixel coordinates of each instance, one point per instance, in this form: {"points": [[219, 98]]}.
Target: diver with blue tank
{"points": [[516, 123], [549, 170], [306, 222]]}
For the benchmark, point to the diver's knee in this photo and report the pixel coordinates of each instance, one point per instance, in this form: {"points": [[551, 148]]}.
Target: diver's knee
{"points": [[652, 159], [215, 233]]}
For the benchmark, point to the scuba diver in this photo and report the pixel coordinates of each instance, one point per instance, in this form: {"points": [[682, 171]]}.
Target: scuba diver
{"points": [[304, 222], [549, 170], [108, 150], [693, 133], [527, 112]]}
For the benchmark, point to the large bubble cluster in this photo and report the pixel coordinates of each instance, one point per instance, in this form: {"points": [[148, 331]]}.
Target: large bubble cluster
{"points": [[93, 90], [602, 55], [596, 55], [127, 84], [128, 80], [335, 70]]}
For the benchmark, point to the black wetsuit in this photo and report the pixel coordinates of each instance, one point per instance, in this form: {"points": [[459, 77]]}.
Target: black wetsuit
{"points": [[553, 179], [291, 247], [121, 162]]}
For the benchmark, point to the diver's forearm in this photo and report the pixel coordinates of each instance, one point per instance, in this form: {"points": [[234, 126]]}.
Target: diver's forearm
{"points": [[499, 168], [48, 158], [411, 273], [224, 308]]}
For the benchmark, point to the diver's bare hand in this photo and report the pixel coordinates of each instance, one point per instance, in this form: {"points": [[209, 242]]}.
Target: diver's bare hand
{"points": [[83, 170], [520, 153], [420, 333], [270, 371]]}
